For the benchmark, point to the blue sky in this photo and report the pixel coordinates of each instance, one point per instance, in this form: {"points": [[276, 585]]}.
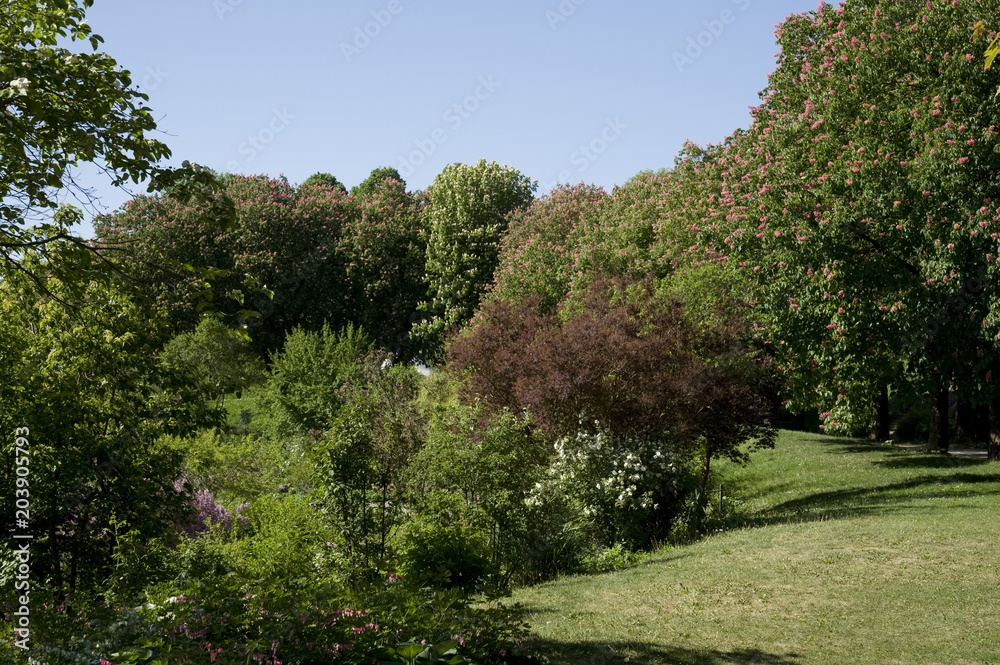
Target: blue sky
{"points": [[570, 91]]}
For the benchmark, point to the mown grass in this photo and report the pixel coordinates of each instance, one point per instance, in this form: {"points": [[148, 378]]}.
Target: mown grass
{"points": [[847, 552]]}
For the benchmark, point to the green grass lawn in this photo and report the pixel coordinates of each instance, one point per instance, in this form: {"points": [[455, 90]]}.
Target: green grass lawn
{"points": [[850, 553]]}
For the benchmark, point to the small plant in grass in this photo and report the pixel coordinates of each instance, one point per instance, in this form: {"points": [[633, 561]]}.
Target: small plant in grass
{"points": [[603, 559]]}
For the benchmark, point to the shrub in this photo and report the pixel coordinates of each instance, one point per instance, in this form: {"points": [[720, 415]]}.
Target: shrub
{"points": [[239, 466], [206, 614], [630, 489], [488, 463], [307, 375], [362, 460], [442, 548], [603, 559], [626, 358], [208, 513]]}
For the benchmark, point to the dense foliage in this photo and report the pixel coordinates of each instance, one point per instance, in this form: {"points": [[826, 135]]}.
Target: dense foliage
{"points": [[88, 386], [384, 253], [275, 482], [627, 359], [539, 252], [294, 257], [467, 215], [284, 239]]}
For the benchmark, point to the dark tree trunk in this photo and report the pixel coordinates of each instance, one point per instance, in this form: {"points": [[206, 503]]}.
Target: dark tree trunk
{"points": [[970, 421], [938, 439], [880, 416], [983, 424], [993, 445], [703, 480]]}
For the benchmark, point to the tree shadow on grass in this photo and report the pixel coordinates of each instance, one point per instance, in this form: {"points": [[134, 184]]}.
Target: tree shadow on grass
{"points": [[899, 458], [928, 461], [859, 501], [641, 653]]}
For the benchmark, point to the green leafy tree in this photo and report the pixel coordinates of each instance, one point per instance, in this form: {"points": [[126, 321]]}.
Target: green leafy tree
{"points": [[326, 180], [219, 357], [362, 460], [87, 385], [467, 217], [575, 235], [60, 109], [375, 178]]}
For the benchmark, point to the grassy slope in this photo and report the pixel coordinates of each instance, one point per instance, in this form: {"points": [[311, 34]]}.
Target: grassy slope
{"points": [[852, 553]]}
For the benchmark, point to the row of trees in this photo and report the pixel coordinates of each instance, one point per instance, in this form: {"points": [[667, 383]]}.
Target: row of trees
{"points": [[857, 208], [379, 257]]}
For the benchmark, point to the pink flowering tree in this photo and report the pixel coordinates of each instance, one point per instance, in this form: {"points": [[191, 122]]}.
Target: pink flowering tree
{"points": [[863, 202], [384, 252], [289, 240], [539, 251], [295, 257], [285, 240], [152, 238], [562, 243]]}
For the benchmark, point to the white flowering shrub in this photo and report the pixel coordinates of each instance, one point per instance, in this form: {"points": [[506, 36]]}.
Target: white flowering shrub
{"points": [[629, 489]]}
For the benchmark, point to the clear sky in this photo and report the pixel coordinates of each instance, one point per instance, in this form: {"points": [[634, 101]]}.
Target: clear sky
{"points": [[570, 91]]}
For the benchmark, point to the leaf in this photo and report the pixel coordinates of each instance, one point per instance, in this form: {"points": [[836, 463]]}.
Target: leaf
{"points": [[410, 651], [978, 30], [992, 51]]}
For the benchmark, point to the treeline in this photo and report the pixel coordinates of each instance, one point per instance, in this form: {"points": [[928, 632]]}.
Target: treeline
{"points": [[387, 260]]}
